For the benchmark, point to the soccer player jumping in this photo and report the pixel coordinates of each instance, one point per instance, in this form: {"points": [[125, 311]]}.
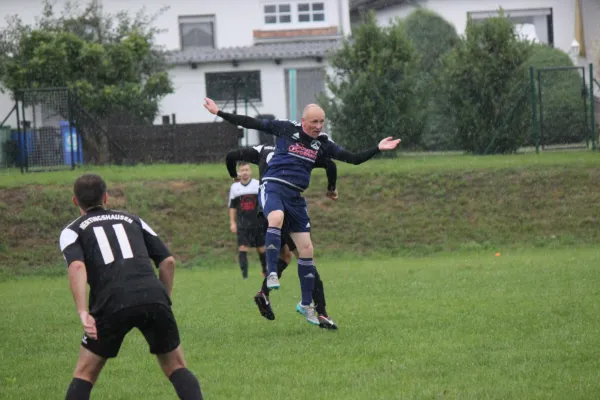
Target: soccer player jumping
{"points": [[287, 176], [261, 155]]}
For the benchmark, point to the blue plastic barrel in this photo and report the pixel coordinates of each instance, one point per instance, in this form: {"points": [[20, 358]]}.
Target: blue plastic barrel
{"points": [[71, 143]]}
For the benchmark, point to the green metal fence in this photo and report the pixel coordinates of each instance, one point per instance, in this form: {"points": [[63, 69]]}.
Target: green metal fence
{"points": [[562, 108]]}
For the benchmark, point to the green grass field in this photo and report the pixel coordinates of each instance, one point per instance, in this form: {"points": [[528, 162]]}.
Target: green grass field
{"points": [[454, 326], [426, 310]]}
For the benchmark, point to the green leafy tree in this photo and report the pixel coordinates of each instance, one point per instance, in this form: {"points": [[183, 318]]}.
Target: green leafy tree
{"points": [[485, 95], [119, 74], [372, 87], [432, 37]]}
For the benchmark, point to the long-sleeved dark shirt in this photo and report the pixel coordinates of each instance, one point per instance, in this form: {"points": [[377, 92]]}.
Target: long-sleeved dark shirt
{"points": [[262, 154], [296, 152]]}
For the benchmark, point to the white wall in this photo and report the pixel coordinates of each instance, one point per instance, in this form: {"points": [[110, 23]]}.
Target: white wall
{"points": [[455, 12], [190, 90], [591, 26], [235, 19], [563, 14]]}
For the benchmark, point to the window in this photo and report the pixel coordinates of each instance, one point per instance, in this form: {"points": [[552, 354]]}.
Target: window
{"points": [[278, 14], [197, 31], [229, 86], [311, 12], [292, 12], [531, 24]]}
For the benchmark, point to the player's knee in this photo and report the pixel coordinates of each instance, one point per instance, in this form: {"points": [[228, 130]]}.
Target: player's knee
{"points": [[171, 362], [275, 218], [88, 371], [305, 250], [243, 248]]}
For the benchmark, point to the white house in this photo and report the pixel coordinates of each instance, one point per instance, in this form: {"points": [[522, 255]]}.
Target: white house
{"points": [[554, 22], [271, 53]]}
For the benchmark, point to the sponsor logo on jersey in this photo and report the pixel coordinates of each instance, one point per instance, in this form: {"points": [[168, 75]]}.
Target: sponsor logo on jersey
{"points": [[302, 151]]}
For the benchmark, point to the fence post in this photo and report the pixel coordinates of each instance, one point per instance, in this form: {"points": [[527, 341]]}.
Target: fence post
{"points": [[536, 134], [23, 134], [592, 107], [19, 139]]}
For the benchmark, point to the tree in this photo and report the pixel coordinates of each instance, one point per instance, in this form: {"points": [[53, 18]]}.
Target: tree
{"points": [[484, 93], [432, 37], [372, 87], [111, 60]]}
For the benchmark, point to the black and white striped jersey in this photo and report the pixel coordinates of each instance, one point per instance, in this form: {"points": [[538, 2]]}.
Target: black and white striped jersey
{"points": [[118, 250]]}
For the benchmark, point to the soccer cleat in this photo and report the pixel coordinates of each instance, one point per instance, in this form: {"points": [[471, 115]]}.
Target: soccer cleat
{"points": [[326, 322], [273, 281], [308, 312], [264, 306]]}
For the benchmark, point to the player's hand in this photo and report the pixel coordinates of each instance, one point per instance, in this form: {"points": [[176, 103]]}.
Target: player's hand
{"points": [[233, 228], [89, 325], [210, 105], [332, 195], [388, 143]]}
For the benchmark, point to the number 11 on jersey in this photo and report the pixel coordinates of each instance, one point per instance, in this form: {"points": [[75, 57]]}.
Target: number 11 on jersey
{"points": [[104, 244]]}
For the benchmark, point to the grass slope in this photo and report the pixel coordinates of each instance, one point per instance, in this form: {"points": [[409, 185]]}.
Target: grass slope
{"points": [[464, 326], [404, 206]]}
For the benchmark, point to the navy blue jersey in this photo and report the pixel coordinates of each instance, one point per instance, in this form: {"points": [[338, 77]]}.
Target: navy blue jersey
{"points": [[295, 153]]}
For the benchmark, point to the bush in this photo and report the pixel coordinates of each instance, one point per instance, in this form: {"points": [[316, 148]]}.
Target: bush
{"points": [[432, 37], [483, 91], [372, 87], [562, 104]]}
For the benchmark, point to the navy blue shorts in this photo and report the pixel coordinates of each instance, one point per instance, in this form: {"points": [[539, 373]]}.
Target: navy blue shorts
{"points": [[279, 197]]}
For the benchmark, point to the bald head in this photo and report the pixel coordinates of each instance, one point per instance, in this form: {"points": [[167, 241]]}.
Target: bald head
{"points": [[312, 109], [313, 118]]}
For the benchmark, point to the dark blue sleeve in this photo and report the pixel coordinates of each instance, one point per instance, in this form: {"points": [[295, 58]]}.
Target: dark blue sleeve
{"points": [[278, 127], [332, 149], [337, 152]]}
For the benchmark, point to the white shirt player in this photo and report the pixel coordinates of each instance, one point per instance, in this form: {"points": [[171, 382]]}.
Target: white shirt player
{"points": [[244, 198], [238, 189]]}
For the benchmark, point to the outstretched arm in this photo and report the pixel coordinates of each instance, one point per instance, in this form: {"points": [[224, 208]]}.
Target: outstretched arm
{"points": [[240, 120], [358, 158], [250, 155]]}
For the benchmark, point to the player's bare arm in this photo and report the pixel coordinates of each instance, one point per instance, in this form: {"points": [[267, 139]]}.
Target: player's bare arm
{"points": [[166, 273], [78, 283], [232, 220]]}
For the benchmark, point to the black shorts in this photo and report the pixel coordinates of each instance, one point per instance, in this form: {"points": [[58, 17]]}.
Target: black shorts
{"points": [[251, 237], [155, 321]]}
